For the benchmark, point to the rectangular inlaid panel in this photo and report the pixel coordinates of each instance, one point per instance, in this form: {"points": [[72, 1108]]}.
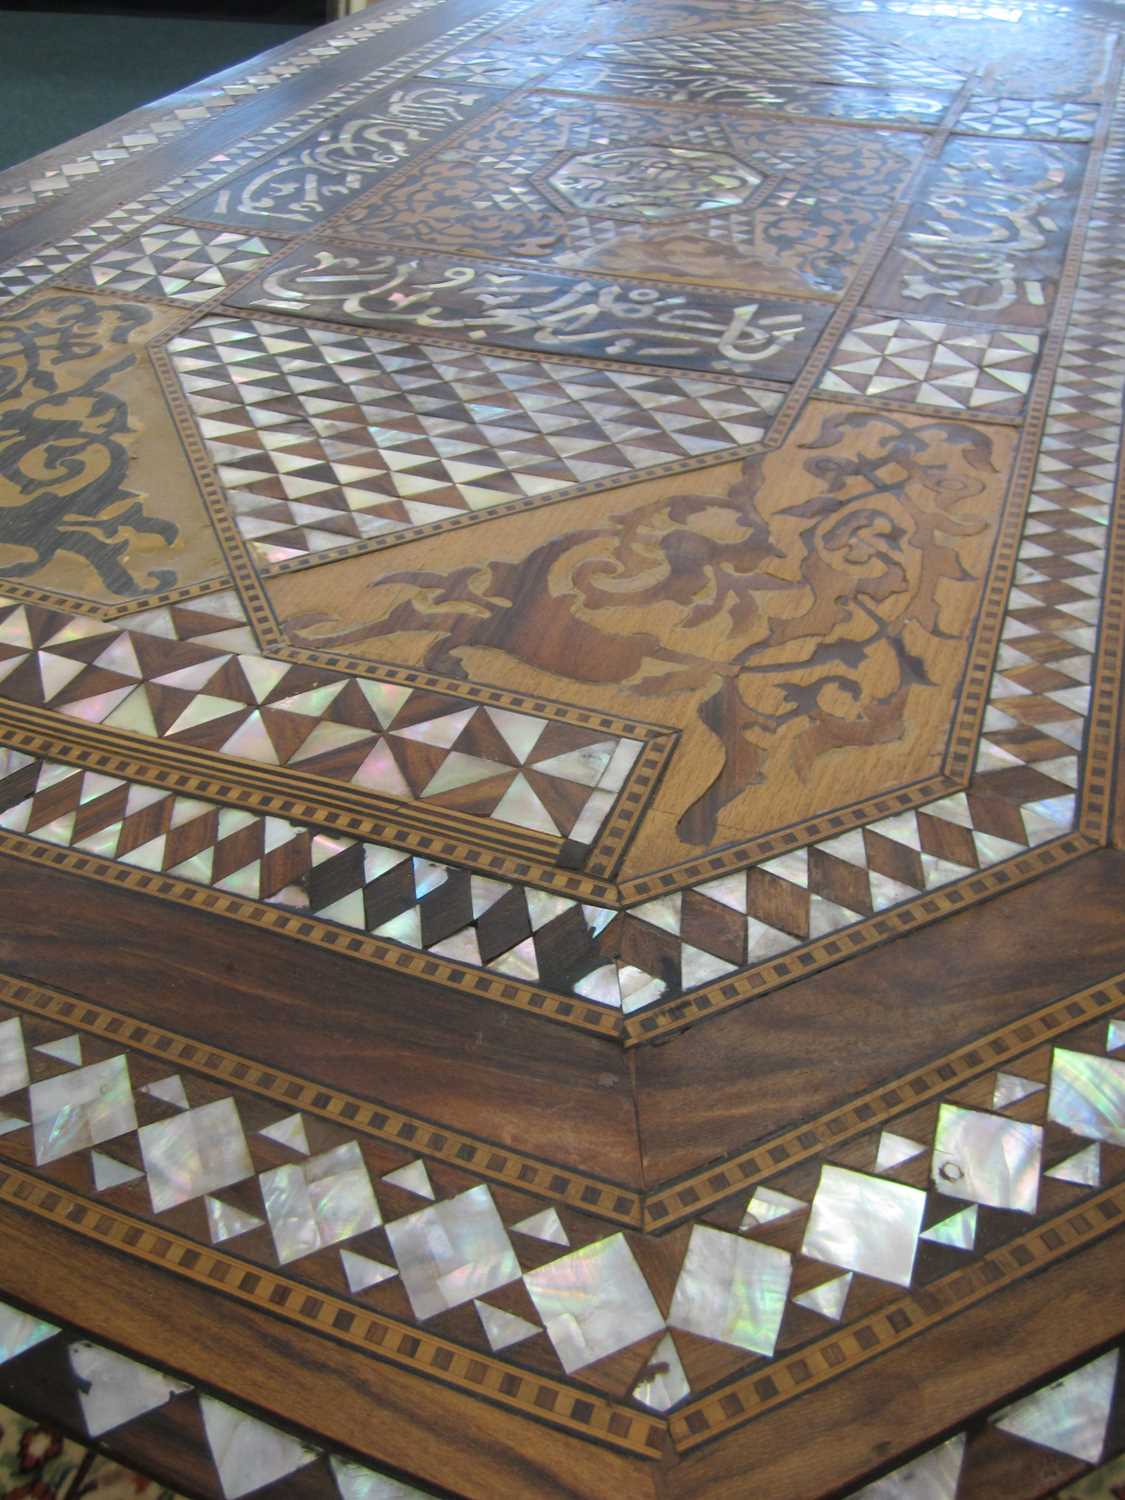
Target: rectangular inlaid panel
{"points": [[517, 305], [562, 619]]}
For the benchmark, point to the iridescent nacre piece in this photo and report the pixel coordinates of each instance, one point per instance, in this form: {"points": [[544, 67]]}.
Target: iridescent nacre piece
{"points": [[958, 1231], [829, 1298], [767, 1204], [82, 1108], [357, 1483], [663, 1381], [453, 1252], [247, 1453], [196, 1152], [865, 1223], [20, 1331], [545, 1225], [1071, 1414], [319, 1202], [1088, 1095], [13, 1058], [224, 1221], [113, 1390], [933, 1476], [594, 1302], [731, 1289], [894, 1150], [987, 1158], [503, 1329]]}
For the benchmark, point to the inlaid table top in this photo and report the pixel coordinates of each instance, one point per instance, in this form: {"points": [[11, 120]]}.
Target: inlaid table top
{"points": [[561, 623]]}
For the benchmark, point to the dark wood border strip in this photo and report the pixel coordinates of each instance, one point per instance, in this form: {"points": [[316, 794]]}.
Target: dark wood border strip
{"points": [[656, 1210], [493, 1163], [660, 1021], [582, 1014], [169, 1466], [921, 1392], [385, 1413], [646, 1026], [669, 1205], [578, 1411], [842, 1350], [573, 1410]]}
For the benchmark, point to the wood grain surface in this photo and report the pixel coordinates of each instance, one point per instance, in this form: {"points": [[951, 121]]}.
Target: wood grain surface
{"points": [[855, 1027], [561, 837]]}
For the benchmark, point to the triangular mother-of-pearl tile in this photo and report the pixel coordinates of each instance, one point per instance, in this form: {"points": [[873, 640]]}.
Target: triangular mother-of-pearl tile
{"points": [[502, 1329], [113, 1390], [545, 1225], [1070, 1415], [829, 1298], [363, 1272], [67, 1049], [414, 1178], [247, 1453]]}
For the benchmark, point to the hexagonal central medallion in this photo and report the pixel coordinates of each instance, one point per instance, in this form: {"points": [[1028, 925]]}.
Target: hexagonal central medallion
{"points": [[654, 182]]}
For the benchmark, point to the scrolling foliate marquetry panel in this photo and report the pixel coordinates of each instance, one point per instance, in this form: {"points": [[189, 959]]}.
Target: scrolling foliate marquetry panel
{"points": [[777, 612], [96, 499]]}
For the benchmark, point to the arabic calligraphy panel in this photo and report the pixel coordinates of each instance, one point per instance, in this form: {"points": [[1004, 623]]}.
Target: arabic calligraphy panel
{"points": [[522, 307]]}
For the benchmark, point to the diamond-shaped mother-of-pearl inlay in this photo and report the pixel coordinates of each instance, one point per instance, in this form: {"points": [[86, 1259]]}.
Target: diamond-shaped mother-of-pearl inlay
{"points": [[731, 1289], [987, 1158], [593, 1302], [865, 1224], [453, 1252]]}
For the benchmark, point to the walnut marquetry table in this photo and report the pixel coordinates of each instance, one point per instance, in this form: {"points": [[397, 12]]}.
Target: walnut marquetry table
{"points": [[561, 624]]}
